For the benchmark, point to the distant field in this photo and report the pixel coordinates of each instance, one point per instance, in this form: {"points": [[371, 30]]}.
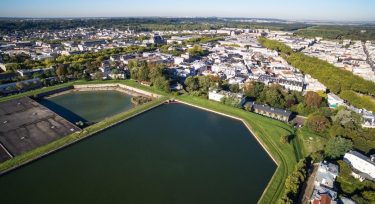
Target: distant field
{"points": [[363, 33]]}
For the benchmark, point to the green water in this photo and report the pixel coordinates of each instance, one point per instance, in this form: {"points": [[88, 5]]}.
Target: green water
{"points": [[90, 106], [171, 154]]}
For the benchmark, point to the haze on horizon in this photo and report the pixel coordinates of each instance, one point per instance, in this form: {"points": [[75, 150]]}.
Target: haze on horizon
{"points": [[328, 10]]}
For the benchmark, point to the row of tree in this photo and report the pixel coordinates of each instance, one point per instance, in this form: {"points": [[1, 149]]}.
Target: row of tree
{"points": [[341, 123], [156, 74], [294, 182], [278, 97], [337, 80], [360, 192]]}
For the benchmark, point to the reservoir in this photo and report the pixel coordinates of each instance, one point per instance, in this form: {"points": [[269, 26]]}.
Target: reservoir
{"points": [[88, 106], [171, 154]]}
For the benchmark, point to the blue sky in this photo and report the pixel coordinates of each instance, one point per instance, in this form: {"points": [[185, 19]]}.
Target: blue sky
{"points": [[339, 10]]}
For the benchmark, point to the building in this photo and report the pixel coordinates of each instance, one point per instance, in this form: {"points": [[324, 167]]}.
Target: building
{"points": [[31, 72], [322, 195], [362, 166], [217, 95], [17, 87], [326, 175], [334, 101], [275, 113]]}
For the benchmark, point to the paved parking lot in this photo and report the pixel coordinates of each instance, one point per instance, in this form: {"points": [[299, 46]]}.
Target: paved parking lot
{"points": [[26, 125]]}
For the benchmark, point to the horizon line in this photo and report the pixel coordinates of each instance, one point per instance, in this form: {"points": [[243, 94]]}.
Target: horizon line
{"points": [[191, 17]]}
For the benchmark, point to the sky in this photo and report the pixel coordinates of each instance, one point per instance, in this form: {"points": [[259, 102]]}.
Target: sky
{"points": [[336, 10]]}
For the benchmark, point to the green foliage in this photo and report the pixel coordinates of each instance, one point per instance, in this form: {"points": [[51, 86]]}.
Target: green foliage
{"points": [[357, 100], [231, 101], [174, 52], [312, 99], [197, 51], [337, 147], [161, 83], [347, 124], [339, 32], [153, 73], [294, 183], [317, 123], [273, 97], [204, 39], [337, 80], [275, 45], [199, 85], [253, 89], [361, 192]]}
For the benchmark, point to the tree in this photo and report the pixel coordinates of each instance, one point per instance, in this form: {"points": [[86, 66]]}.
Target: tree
{"points": [[162, 84], [312, 99], [98, 76], [231, 101], [337, 147], [143, 72], [290, 101], [253, 89], [274, 98], [317, 123], [192, 83], [20, 86], [61, 71], [196, 51], [234, 88]]}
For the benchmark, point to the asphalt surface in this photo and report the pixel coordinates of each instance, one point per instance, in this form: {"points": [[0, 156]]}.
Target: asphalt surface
{"points": [[26, 125]]}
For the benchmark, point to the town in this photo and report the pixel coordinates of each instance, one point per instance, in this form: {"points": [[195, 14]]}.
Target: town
{"points": [[233, 66]]}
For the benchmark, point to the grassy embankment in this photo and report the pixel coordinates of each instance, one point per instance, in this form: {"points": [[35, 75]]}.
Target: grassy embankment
{"points": [[267, 131]]}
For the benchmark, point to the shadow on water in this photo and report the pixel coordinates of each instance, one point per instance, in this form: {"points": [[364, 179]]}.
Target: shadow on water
{"points": [[62, 111]]}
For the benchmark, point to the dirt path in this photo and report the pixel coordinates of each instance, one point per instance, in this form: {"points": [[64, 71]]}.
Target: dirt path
{"points": [[308, 187]]}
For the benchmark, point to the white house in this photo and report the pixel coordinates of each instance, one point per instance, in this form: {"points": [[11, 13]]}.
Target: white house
{"points": [[334, 101], [326, 174], [178, 60], [363, 167], [217, 95]]}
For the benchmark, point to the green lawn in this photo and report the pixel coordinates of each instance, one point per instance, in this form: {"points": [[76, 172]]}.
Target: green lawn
{"points": [[267, 131], [311, 142]]}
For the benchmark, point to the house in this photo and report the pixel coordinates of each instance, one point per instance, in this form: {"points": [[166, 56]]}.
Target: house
{"points": [[362, 166], [15, 87], [275, 113], [322, 195], [334, 101], [31, 72], [326, 175], [178, 60], [217, 95]]}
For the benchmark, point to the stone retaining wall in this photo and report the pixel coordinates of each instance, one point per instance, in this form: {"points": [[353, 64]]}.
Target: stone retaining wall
{"points": [[118, 87]]}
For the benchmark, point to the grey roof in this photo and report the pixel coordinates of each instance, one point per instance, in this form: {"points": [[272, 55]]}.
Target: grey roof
{"points": [[269, 109], [327, 174], [355, 153], [320, 190]]}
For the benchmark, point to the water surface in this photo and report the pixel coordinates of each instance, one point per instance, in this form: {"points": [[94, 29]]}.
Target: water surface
{"points": [[171, 154], [91, 106]]}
